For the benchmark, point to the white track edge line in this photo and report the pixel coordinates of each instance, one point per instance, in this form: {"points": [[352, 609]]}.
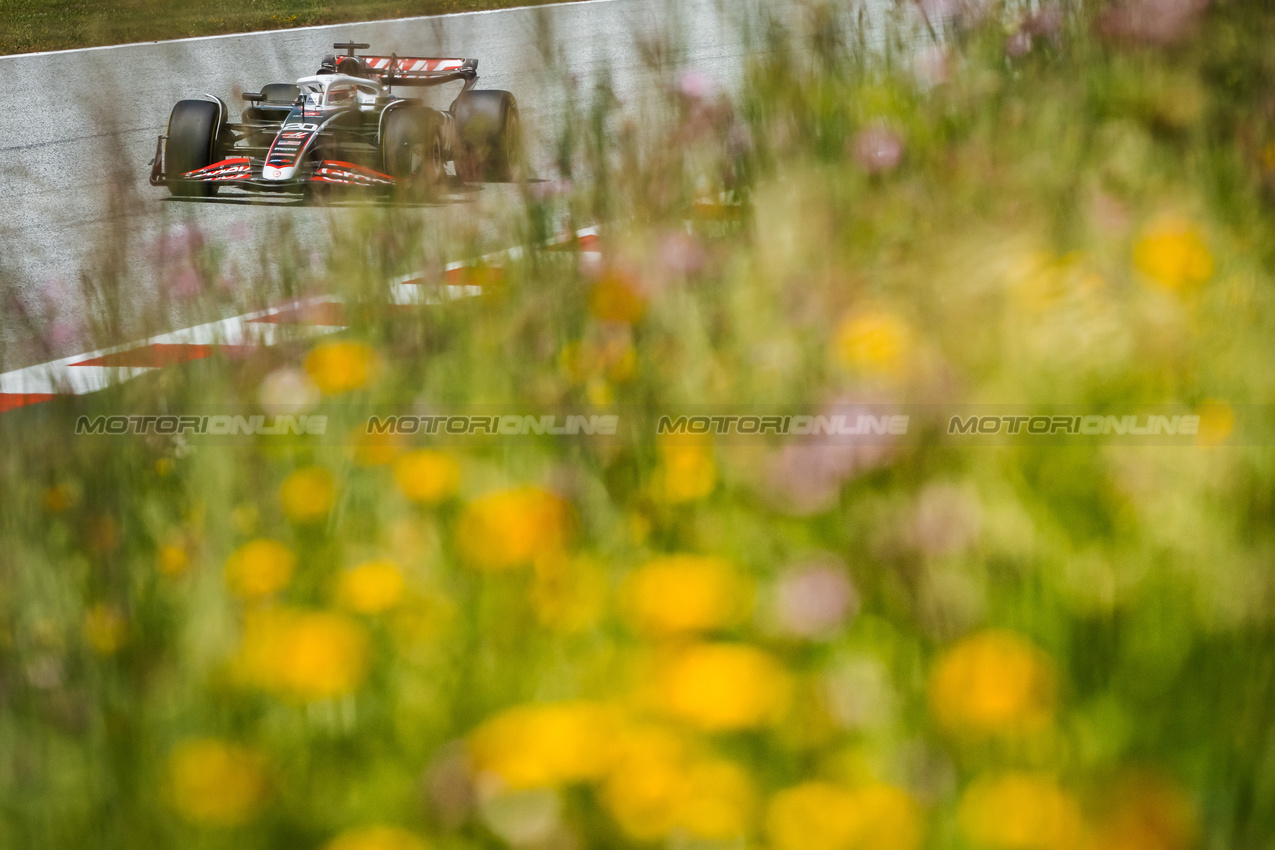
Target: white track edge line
{"points": [[54, 376]]}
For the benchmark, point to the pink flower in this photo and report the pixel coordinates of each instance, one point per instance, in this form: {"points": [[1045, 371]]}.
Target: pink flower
{"points": [[932, 65], [1156, 22], [681, 253], [805, 478], [226, 282], [54, 294], [1019, 44], [178, 243], [877, 149], [186, 282], [948, 519], [961, 13], [64, 333], [287, 390], [1046, 21], [449, 785], [696, 85], [815, 597]]}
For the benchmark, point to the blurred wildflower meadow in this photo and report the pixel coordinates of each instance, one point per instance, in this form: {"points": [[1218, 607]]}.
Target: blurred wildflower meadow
{"points": [[399, 643]]}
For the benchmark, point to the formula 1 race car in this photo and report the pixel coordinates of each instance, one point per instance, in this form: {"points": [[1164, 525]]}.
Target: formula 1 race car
{"points": [[343, 127]]}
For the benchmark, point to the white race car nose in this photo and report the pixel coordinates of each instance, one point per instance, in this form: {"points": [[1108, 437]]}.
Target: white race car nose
{"points": [[272, 173]]}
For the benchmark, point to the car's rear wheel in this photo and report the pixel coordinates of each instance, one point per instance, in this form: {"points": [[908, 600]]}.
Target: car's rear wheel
{"points": [[192, 144], [489, 136], [413, 146]]}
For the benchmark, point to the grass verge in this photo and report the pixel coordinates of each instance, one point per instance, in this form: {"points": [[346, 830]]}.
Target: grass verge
{"points": [[28, 26]]}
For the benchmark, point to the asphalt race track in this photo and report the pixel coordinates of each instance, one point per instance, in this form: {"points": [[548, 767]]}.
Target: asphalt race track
{"points": [[78, 128]]}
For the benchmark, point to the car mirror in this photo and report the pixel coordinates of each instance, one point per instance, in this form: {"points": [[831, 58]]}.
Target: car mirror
{"points": [[253, 96]]}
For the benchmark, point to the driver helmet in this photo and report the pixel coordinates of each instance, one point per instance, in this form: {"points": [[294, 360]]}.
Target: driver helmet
{"points": [[349, 65], [341, 95]]}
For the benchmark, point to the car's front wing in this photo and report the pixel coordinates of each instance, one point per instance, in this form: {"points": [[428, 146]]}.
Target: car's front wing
{"points": [[246, 172]]}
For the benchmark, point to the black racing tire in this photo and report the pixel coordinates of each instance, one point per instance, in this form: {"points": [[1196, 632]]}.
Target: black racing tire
{"points": [[488, 137], [192, 144], [413, 149]]}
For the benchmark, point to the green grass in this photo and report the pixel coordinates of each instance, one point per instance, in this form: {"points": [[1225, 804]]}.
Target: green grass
{"points": [[33, 25]]}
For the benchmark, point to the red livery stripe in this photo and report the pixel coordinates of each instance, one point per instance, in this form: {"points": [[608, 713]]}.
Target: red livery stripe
{"points": [[412, 64], [162, 354], [349, 166], [12, 401]]}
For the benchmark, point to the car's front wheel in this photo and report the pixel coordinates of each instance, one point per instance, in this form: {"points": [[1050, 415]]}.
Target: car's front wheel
{"points": [[192, 144]]}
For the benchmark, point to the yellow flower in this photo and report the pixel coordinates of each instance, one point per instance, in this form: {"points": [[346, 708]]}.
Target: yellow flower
{"points": [[684, 593], [172, 560], [536, 746], [1147, 812], [685, 473], [512, 528], [888, 819], [214, 783], [371, 587], [723, 686], [59, 497], [568, 595], [1040, 281], [341, 366], [376, 838], [303, 655], [992, 683], [657, 785], [599, 393], [822, 816], [615, 298], [716, 802], [308, 494], [1268, 157], [1173, 254], [811, 816], [259, 568], [1217, 422], [1020, 811], [874, 342], [644, 787], [427, 476], [105, 628], [374, 449]]}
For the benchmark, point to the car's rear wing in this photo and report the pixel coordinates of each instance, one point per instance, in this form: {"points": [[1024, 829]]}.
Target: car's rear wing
{"points": [[395, 70], [404, 68]]}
